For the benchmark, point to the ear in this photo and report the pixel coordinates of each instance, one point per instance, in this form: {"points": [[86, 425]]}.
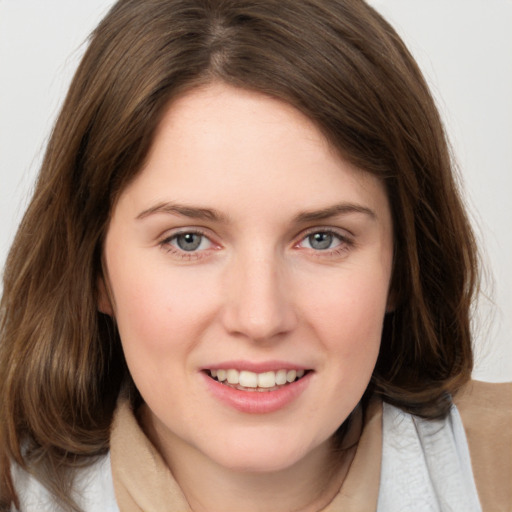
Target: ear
{"points": [[104, 302]]}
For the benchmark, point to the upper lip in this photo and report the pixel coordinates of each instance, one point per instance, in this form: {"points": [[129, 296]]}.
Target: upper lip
{"points": [[256, 367]]}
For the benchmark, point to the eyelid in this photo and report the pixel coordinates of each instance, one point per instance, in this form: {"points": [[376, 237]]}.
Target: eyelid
{"points": [[343, 234], [182, 230], [345, 237], [164, 241], [174, 232], [346, 242]]}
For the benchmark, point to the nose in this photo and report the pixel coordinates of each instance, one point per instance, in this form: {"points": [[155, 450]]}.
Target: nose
{"points": [[259, 303]]}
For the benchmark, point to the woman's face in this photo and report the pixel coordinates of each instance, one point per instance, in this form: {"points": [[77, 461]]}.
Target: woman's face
{"points": [[248, 252]]}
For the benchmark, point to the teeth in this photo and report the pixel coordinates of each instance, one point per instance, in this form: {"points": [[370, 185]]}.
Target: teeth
{"points": [[291, 375], [233, 376], [248, 379], [265, 380], [281, 377]]}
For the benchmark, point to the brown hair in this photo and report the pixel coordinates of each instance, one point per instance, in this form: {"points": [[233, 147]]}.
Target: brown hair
{"points": [[343, 66]]}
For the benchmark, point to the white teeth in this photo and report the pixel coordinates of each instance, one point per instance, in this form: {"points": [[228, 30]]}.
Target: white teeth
{"points": [[281, 377], [267, 380], [233, 376], [248, 379], [264, 380]]}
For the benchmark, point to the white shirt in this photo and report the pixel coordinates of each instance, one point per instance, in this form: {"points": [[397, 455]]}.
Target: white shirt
{"points": [[425, 468]]}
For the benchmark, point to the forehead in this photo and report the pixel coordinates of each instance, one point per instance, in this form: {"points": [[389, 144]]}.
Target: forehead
{"points": [[223, 144]]}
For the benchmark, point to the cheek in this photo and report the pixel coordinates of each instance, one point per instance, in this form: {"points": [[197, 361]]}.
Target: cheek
{"points": [[347, 316], [160, 311], [158, 328], [140, 305], [350, 304]]}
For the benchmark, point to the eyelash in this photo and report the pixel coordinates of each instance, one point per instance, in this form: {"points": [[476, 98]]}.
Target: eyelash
{"points": [[345, 244], [166, 245]]}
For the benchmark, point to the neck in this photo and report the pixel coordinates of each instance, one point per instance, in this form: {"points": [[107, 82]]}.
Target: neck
{"points": [[307, 486]]}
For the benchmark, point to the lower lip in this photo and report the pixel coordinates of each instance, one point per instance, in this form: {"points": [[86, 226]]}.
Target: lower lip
{"points": [[257, 402]]}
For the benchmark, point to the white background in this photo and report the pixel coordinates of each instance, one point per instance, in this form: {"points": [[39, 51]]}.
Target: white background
{"points": [[463, 46]]}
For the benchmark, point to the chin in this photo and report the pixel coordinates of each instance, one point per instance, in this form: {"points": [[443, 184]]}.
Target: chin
{"points": [[264, 454], [259, 463]]}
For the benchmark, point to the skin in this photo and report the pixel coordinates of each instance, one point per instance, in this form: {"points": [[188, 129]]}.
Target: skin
{"points": [[256, 289]]}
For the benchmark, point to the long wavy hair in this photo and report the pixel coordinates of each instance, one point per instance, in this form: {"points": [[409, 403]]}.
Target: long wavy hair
{"points": [[338, 62]]}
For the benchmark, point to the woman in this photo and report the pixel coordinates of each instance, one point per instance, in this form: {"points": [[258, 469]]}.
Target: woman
{"points": [[245, 237]]}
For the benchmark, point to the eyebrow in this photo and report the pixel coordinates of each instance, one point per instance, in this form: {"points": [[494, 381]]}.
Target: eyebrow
{"points": [[211, 214], [333, 211], [192, 212]]}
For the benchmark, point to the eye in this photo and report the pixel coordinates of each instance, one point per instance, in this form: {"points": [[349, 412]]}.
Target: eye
{"points": [[189, 242], [321, 241]]}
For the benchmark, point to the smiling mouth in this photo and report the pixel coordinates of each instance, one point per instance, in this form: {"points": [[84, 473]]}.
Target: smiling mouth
{"points": [[250, 381]]}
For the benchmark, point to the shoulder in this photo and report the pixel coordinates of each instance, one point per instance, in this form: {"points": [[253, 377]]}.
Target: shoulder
{"points": [[93, 489], [486, 412]]}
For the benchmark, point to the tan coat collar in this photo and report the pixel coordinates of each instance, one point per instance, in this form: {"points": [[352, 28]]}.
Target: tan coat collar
{"points": [[143, 482]]}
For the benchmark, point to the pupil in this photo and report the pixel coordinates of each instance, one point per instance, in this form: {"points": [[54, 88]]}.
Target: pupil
{"points": [[320, 241], [189, 241]]}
